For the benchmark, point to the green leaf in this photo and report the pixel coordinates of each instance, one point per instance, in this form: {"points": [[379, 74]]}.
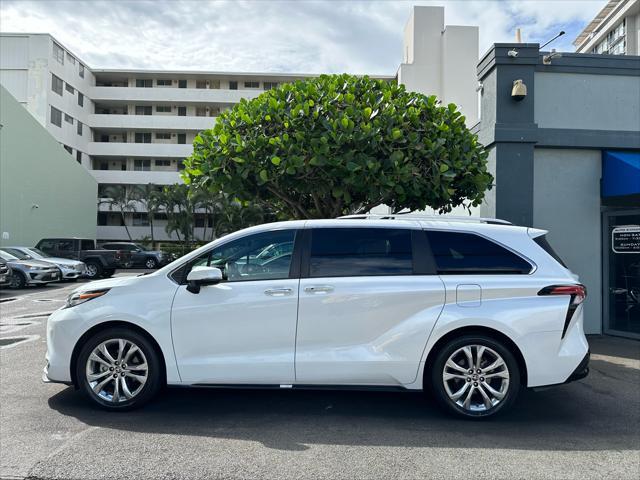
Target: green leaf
{"points": [[275, 161], [344, 122], [396, 133], [444, 167], [263, 175]]}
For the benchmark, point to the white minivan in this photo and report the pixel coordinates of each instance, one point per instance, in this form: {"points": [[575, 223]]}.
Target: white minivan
{"points": [[470, 311]]}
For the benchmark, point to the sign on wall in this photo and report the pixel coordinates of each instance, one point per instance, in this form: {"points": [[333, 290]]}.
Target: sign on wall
{"points": [[626, 239]]}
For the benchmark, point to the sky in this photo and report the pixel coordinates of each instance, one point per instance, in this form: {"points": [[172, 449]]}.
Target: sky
{"points": [[299, 36]]}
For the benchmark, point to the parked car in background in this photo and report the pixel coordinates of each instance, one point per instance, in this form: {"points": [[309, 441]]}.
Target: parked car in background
{"points": [[5, 273], [30, 272], [140, 256], [471, 311], [99, 262], [70, 269]]}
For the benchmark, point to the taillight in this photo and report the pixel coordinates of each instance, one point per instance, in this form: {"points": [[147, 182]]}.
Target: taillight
{"points": [[578, 293]]}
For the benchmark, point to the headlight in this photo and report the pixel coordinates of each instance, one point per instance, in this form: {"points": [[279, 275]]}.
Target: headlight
{"points": [[33, 267], [80, 297]]}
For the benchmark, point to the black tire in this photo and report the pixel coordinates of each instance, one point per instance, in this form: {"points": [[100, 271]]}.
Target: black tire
{"points": [[94, 270], [438, 384], [151, 263], [18, 280], [150, 388], [108, 272]]}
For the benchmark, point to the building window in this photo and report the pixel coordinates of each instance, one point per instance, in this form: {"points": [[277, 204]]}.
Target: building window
{"points": [[182, 84], [58, 53], [79, 156], [80, 99], [56, 84], [104, 166], [251, 84], [182, 138], [144, 110], [163, 163], [81, 70], [144, 83], [142, 165], [163, 83], [163, 136], [215, 84], [56, 116], [140, 219], [143, 137], [201, 112], [233, 85], [70, 89], [79, 128], [71, 58], [201, 84], [270, 85], [68, 119], [615, 43], [68, 149], [163, 108]]}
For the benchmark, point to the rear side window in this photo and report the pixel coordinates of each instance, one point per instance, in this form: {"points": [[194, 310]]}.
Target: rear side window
{"points": [[47, 245], [351, 252], [544, 243], [458, 253]]}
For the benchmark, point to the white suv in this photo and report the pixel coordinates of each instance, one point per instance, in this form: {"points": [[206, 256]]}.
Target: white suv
{"points": [[469, 311]]}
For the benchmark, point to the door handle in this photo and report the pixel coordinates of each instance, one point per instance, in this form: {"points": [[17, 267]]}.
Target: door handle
{"points": [[319, 289], [278, 292]]}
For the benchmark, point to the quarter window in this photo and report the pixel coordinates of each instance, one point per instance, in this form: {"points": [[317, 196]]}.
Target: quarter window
{"points": [[458, 253], [240, 260], [351, 252]]}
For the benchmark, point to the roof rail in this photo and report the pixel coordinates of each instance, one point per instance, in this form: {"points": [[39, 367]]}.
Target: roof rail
{"points": [[413, 216]]}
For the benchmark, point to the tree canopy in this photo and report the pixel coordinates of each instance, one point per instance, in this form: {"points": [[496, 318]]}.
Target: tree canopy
{"points": [[341, 144]]}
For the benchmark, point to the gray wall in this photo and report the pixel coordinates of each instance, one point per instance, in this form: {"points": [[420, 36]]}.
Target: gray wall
{"points": [[566, 201], [587, 101]]}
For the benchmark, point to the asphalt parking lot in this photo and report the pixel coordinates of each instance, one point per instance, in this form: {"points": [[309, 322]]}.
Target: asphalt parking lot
{"points": [[588, 429]]}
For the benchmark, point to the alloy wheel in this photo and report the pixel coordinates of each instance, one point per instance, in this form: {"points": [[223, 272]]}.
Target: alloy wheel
{"points": [[117, 370], [92, 270], [476, 378]]}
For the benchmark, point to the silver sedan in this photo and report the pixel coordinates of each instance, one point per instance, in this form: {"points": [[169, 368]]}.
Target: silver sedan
{"points": [[30, 272], [70, 269]]}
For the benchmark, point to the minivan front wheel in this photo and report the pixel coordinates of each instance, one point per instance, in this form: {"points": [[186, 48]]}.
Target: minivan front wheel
{"points": [[119, 369], [475, 376]]}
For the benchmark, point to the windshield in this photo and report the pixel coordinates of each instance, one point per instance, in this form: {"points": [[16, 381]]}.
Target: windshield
{"points": [[38, 253], [144, 249], [7, 257], [17, 253]]}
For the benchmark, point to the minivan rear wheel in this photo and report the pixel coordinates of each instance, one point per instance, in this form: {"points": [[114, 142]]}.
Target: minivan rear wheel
{"points": [[119, 369], [475, 376]]}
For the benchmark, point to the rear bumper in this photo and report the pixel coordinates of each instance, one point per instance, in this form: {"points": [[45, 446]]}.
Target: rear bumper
{"points": [[581, 371]]}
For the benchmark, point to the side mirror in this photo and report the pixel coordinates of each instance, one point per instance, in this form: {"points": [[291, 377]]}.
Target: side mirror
{"points": [[199, 276]]}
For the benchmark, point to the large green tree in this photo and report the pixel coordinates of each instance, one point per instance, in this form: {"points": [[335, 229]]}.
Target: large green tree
{"points": [[340, 144]]}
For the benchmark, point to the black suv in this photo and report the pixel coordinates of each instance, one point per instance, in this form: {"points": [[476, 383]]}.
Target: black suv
{"points": [[140, 256]]}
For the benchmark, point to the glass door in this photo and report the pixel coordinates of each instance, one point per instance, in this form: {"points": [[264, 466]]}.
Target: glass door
{"points": [[621, 271]]}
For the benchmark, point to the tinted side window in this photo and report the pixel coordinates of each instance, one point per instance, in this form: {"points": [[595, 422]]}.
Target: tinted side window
{"points": [[87, 245], [240, 259], [47, 245], [466, 253], [349, 252]]}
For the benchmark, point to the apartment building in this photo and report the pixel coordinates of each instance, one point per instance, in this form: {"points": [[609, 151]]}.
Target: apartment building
{"points": [[134, 127], [615, 30]]}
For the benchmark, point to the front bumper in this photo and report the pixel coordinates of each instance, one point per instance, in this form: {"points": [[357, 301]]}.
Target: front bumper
{"points": [[38, 277], [72, 273]]}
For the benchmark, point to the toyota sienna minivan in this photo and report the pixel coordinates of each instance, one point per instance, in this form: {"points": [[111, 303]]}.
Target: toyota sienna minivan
{"points": [[469, 311]]}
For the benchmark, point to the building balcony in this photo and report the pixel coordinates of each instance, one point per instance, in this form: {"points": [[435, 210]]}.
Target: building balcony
{"points": [[170, 95], [129, 177], [153, 150], [110, 232], [150, 122]]}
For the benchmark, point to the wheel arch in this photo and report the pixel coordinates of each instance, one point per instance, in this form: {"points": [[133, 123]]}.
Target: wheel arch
{"points": [[115, 324], [475, 330]]}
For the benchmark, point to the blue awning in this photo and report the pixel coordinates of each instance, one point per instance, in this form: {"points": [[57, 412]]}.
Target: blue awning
{"points": [[620, 173]]}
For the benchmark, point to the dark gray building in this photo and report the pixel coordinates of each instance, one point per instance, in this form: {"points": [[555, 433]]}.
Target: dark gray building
{"points": [[566, 158]]}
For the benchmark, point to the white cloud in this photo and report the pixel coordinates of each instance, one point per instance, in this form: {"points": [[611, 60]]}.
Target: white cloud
{"points": [[278, 36]]}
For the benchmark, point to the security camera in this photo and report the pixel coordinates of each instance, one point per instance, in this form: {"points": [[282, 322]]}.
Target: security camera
{"points": [[512, 53], [519, 90]]}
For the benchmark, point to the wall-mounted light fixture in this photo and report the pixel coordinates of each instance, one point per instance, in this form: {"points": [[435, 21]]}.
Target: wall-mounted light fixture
{"points": [[519, 90]]}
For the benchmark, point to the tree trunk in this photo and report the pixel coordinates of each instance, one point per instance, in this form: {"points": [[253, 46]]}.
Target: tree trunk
{"points": [[124, 222]]}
